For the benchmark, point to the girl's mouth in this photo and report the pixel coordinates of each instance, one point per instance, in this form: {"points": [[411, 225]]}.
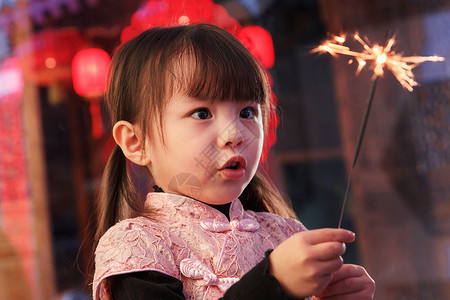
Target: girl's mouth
{"points": [[234, 168], [235, 163]]}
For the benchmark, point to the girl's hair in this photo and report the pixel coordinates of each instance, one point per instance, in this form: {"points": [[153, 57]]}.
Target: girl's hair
{"points": [[200, 61]]}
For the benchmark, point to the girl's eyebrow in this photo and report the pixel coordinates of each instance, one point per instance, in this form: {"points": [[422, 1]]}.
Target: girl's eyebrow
{"points": [[184, 103], [193, 102]]}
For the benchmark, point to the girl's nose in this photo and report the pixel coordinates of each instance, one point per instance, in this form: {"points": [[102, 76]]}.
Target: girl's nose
{"points": [[232, 136]]}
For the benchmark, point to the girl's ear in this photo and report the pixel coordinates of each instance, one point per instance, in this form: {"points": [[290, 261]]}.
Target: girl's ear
{"points": [[126, 137]]}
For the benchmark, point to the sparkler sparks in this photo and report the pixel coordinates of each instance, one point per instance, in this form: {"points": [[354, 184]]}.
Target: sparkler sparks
{"points": [[380, 57]]}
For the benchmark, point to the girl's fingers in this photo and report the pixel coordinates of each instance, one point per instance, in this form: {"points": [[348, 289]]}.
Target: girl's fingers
{"points": [[345, 286], [329, 250], [360, 295], [349, 282], [309, 258], [346, 271], [330, 266], [318, 236]]}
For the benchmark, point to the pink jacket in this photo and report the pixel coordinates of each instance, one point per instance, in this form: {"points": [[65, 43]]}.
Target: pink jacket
{"points": [[192, 242]]}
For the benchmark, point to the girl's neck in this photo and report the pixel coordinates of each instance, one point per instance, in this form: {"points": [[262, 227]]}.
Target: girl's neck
{"points": [[223, 208]]}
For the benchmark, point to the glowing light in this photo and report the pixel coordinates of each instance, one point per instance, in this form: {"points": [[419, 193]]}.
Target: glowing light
{"points": [[11, 80], [90, 71], [380, 57], [184, 20], [50, 63], [339, 39]]}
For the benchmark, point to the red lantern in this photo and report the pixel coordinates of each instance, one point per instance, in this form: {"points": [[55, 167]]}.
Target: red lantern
{"points": [[90, 71], [89, 74], [45, 57], [156, 13], [259, 42]]}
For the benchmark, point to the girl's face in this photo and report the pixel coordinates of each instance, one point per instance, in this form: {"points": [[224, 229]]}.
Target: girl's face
{"points": [[211, 150]]}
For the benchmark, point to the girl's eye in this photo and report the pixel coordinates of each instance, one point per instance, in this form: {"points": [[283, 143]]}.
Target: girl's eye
{"points": [[247, 113], [201, 114]]}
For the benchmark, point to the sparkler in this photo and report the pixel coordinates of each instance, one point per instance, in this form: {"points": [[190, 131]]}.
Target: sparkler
{"points": [[379, 57]]}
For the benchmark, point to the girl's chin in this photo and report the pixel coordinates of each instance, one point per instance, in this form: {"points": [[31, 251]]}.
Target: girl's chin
{"points": [[215, 191], [218, 198]]}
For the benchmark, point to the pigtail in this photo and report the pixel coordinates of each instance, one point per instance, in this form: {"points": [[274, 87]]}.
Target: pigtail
{"points": [[115, 202], [118, 196], [261, 195], [114, 181]]}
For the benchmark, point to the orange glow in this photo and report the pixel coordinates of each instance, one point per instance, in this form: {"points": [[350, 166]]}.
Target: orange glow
{"points": [[184, 20], [50, 63], [380, 57], [339, 39]]}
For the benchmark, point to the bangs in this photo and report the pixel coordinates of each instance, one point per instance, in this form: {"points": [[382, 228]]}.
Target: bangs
{"points": [[198, 61], [218, 68]]}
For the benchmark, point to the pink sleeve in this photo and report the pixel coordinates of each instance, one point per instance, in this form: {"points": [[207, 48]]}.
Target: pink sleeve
{"points": [[127, 247]]}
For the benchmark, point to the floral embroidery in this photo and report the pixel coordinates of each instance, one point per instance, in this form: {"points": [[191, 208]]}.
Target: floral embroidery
{"points": [[180, 242]]}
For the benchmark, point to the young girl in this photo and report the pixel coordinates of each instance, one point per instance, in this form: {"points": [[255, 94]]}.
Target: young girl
{"points": [[190, 103]]}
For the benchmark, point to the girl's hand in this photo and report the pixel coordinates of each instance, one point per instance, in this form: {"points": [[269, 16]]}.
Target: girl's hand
{"points": [[304, 263], [349, 282]]}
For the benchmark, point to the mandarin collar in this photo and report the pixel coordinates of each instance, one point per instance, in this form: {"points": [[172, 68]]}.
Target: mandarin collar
{"points": [[172, 204]]}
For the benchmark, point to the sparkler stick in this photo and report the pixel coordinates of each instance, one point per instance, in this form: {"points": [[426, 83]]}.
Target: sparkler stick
{"points": [[358, 147], [380, 57]]}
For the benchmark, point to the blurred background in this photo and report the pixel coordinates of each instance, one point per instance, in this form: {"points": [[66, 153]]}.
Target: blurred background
{"points": [[55, 134]]}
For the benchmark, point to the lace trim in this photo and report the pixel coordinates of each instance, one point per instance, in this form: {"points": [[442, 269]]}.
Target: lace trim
{"points": [[219, 226]]}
